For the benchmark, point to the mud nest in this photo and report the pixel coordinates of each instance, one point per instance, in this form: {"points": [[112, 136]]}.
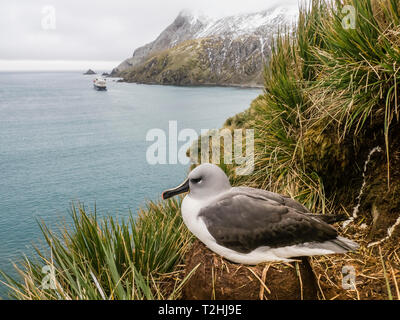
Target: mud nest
{"points": [[217, 278]]}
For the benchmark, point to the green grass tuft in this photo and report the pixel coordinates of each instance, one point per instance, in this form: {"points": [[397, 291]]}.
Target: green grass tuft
{"points": [[108, 259]]}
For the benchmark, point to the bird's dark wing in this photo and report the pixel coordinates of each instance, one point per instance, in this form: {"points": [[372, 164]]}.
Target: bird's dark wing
{"points": [[282, 199], [243, 222], [330, 218], [288, 202]]}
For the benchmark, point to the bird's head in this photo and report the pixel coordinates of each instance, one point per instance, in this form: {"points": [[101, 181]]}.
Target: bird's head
{"points": [[204, 181]]}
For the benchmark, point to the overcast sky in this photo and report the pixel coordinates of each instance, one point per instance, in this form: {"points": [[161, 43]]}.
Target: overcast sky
{"points": [[103, 31]]}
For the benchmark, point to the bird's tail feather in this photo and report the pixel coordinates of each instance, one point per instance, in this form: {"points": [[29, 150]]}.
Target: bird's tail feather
{"points": [[338, 245], [346, 244]]}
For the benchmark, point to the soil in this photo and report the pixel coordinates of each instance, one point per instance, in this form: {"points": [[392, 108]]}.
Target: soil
{"points": [[380, 201], [217, 278]]}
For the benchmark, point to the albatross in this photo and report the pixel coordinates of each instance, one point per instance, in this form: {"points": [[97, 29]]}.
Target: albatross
{"points": [[250, 226]]}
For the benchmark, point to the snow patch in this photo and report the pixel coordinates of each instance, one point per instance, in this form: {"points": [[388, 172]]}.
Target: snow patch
{"points": [[259, 23]]}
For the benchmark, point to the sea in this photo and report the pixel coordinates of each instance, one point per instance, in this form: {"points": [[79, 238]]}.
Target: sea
{"points": [[62, 142]]}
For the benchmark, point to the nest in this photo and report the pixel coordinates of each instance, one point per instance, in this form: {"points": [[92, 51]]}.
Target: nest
{"points": [[217, 278], [377, 269]]}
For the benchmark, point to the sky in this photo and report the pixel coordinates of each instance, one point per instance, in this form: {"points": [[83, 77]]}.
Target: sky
{"points": [[77, 34]]}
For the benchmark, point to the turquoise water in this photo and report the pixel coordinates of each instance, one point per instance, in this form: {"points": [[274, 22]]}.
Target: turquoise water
{"points": [[62, 141]]}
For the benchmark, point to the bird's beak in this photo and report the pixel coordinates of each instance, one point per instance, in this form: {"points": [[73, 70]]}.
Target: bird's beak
{"points": [[184, 187]]}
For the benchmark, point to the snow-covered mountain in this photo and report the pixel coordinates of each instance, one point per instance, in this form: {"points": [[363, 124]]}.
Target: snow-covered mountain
{"points": [[259, 23], [230, 43]]}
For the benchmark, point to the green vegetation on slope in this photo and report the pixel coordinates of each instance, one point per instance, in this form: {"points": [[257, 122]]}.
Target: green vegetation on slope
{"points": [[331, 95], [206, 61]]}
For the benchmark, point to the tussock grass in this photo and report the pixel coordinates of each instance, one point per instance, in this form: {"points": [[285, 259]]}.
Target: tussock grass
{"points": [[326, 89], [136, 258]]}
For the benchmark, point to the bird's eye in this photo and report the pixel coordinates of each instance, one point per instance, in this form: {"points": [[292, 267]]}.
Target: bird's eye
{"points": [[195, 180]]}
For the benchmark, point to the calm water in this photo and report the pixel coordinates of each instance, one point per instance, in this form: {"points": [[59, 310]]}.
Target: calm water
{"points": [[62, 141]]}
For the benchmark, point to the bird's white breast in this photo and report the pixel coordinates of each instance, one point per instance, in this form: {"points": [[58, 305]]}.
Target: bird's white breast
{"points": [[190, 213]]}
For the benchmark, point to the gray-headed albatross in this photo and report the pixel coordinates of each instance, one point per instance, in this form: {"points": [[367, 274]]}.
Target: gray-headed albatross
{"points": [[250, 226]]}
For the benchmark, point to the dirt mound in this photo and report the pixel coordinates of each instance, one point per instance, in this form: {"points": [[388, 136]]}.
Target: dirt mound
{"points": [[217, 278]]}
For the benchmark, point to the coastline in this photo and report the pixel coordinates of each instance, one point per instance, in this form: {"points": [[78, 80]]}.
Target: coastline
{"points": [[200, 85]]}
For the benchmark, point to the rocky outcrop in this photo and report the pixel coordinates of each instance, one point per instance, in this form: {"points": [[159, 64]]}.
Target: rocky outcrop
{"points": [[90, 71], [196, 50]]}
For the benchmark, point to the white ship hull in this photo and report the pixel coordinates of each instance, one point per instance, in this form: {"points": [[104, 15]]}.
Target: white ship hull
{"points": [[100, 84]]}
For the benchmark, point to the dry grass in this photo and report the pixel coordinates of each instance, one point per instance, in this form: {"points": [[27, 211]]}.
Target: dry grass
{"points": [[377, 270]]}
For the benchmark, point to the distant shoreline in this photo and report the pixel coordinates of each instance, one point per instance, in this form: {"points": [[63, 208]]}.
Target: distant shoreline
{"points": [[227, 85]]}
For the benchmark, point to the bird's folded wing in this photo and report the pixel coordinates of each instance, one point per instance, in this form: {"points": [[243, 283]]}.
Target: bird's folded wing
{"points": [[282, 199], [243, 223]]}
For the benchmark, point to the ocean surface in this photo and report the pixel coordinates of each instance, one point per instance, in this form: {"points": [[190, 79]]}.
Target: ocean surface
{"points": [[62, 142]]}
